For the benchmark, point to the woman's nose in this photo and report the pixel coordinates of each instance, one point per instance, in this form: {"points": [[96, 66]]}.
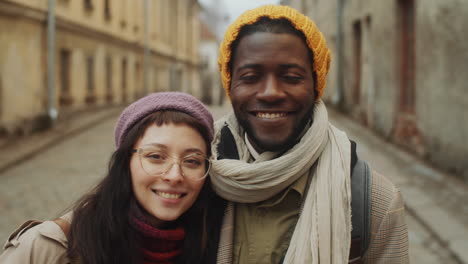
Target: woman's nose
{"points": [[174, 173]]}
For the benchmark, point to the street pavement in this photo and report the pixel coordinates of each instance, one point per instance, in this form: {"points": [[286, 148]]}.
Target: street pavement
{"points": [[41, 176]]}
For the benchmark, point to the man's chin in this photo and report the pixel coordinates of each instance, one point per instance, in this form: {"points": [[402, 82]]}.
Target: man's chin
{"points": [[267, 141], [273, 145]]}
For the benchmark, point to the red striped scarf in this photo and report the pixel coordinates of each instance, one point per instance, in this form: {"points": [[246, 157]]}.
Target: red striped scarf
{"points": [[159, 246]]}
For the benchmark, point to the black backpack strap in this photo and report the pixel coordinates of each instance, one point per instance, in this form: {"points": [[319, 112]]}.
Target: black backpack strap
{"points": [[360, 206], [227, 148], [354, 157]]}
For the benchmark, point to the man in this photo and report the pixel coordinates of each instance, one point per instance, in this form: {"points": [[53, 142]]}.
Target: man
{"points": [[286, 169]]}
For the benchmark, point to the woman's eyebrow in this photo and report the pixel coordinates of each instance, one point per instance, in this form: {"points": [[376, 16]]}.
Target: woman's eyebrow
{"points": [[193, 150], [158, 145]]}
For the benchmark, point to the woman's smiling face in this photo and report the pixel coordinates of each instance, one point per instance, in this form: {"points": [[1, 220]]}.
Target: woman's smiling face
{"points": [[166, 197]]}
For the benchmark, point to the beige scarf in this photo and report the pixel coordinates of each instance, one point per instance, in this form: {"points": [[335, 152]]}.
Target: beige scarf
{"points": [[323, 231]]}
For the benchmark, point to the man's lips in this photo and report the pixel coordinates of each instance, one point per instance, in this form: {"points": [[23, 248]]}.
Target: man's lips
{"points": [[269, 115]]}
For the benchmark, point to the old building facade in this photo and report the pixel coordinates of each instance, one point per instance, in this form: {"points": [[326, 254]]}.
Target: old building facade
{"points": [[213, 93], [214, 20], [398, 67], [106, 52]]}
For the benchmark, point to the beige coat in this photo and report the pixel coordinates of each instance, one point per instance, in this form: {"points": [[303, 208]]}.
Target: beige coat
{"points": [[37, 242]]}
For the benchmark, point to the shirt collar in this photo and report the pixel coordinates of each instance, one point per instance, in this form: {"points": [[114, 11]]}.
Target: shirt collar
{"points": [[252, 150], [255, 154], [298, 186]]}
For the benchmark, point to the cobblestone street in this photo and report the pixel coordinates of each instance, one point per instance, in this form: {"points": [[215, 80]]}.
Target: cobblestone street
{"points": [[43, 186]]}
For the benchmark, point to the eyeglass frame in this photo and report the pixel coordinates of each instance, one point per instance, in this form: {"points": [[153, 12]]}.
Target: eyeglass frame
{"points": [[177, 161]]}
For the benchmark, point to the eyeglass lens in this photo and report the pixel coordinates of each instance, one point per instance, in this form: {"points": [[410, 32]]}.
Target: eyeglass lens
{"points": [[157, 162]]}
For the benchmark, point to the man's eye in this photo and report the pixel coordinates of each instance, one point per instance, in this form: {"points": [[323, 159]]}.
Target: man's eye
{"points": [[293, 78], [249, 78]]}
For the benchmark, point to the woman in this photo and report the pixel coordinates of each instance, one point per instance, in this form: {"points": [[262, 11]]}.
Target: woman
{"points": [[154, 206]]}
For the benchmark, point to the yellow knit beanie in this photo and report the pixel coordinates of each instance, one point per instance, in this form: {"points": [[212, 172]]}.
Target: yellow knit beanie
{"points": [[315, 41]]}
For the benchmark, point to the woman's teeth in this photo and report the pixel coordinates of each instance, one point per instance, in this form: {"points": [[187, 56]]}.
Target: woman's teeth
{"points": [[169, 195]]}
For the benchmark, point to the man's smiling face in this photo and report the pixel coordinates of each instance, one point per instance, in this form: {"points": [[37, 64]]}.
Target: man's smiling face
{"points": [[272, 88]]}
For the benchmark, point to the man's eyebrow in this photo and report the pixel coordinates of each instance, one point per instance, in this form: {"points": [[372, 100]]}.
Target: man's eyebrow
{"points": [[293, 65], [282, 65], [248, 66]]}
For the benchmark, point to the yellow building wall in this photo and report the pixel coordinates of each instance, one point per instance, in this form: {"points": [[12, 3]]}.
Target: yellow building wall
{"points": [[95, 40], [21, 51]]}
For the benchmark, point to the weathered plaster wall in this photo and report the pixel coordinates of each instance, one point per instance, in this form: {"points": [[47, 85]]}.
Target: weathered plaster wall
{"points": [[378, 77], [439, 125], [442, 81], [441, 60], [326, 21]]}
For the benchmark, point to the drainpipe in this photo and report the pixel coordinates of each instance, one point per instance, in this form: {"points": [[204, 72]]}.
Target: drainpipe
{"points": [[338, 98], [51, 110], [147, 51], [304, 8]]}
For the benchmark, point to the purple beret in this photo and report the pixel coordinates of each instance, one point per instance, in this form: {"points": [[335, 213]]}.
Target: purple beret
{"points": [[162, 101]]}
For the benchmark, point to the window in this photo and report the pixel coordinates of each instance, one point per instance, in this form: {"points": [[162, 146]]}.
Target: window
{"points": [[406, 12], [406, 131], [123, 14], [156, 79], [107, 10], [88, 5], [357, 35], [90, 97], [64, 71], [124, 79], [1, 102], [108, 63], [138, 80]]}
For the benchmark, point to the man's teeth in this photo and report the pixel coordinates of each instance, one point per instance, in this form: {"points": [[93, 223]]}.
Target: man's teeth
{"points": [[271, 115], [169, 195]]}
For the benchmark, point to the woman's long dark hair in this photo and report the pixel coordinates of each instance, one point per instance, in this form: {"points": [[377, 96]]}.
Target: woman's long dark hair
{"points": [[100, 231]]}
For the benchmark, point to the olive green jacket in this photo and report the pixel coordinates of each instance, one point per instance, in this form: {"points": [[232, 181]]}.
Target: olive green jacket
{"points": [[389, 232]]}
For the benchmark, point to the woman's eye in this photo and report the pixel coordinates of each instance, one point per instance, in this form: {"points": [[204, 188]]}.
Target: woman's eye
{"points": [[155, 156], [192, 162]]}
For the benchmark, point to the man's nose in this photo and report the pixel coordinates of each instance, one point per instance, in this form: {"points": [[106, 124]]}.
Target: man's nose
{"points": [[271, 89]]}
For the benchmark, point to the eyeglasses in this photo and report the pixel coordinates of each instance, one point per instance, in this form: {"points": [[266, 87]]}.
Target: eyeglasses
{"points": [[157, 162]]}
